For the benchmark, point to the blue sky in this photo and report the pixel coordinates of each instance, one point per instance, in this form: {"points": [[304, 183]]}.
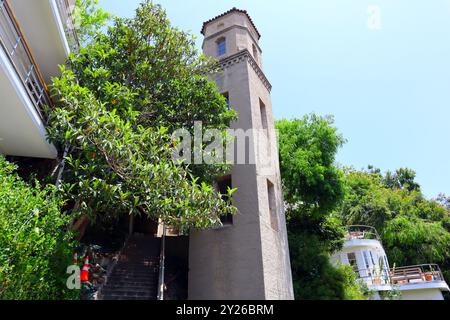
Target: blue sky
{"points": [[388, 87]]}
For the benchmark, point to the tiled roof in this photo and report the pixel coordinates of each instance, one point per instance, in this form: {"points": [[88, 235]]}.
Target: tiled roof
{"points": [[226, 13]]}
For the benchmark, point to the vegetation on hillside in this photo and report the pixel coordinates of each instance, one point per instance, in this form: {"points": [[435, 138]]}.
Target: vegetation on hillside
{"points": [[313, 188], [120, 98], [414, 230]]}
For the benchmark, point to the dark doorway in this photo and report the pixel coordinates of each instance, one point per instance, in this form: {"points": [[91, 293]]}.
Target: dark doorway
{"points": [[144, 225]]}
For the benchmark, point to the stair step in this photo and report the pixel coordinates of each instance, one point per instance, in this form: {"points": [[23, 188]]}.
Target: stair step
{"points": [[135, 276], [137, 262], [148, 268], [131, 285], [147, 281], [122, 298], [129, 272], [129, 292]]}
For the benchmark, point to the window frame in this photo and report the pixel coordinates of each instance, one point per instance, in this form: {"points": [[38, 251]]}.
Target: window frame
{"points": [[221, 44]]}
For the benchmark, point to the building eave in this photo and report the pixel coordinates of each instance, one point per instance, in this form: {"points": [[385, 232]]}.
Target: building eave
{"points": [[205, 24]]}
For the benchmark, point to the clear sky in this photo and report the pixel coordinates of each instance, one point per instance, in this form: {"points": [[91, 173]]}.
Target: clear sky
{"points": [[385, 77]]}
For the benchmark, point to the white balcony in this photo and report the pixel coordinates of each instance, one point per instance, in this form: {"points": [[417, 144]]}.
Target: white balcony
{"points": [[427, 276], [30, 50], [45, 25]]}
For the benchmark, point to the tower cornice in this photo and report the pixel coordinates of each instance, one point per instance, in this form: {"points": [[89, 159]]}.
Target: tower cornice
{"points": [[245, 56], [205, 24]]}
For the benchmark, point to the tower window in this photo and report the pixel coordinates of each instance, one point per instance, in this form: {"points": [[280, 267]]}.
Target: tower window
{"points": [[227, 98], [263, 111], [223, 184], [272, 205], [221, 47]]}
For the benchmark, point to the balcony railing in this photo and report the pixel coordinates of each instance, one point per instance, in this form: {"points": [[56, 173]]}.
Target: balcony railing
{"points": [[419, 274], [416, 274], [66, 12], [14, 44], [374, 277], [358, 232]]}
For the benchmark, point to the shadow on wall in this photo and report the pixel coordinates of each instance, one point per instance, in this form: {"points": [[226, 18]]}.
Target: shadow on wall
{"points": [[177, 268]]}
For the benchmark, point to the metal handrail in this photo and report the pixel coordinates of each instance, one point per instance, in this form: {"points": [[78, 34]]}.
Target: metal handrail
{"points": [[362, 232], [16, 47], [65, 10], [162, 263]]}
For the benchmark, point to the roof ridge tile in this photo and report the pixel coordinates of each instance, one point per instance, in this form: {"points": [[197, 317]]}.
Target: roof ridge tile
{"points": [[234, 9]]}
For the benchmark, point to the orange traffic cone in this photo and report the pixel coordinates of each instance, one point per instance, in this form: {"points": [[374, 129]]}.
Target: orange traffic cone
{"points": [[85, 271]]}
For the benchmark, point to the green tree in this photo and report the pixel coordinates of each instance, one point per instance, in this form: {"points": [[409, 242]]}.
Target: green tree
{"points": [[89, 19], [366, 200], [403, 178], [120, 98], [313, 187], [308, 148], [444, 201], [36, 247]]}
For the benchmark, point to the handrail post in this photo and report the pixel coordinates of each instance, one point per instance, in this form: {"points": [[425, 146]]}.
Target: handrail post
{"points": [[162, 262]]}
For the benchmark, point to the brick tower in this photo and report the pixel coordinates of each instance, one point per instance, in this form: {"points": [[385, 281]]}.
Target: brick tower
{"points": [[248, 258]]}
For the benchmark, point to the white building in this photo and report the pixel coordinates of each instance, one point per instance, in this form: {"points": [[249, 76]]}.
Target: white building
{"points": [[34, 40], [364, 251]]}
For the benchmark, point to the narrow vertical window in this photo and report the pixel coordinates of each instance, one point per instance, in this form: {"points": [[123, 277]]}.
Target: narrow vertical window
{"points": [[351, 256], [227, 98], [263, 111], [224, 183], [367, 263], [272, 205], [221, 47], [255, 52]]}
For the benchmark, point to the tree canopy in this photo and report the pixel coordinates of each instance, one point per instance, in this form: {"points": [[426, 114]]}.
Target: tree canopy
{"points": [[308, 148], [313, 187], [120, 98]]}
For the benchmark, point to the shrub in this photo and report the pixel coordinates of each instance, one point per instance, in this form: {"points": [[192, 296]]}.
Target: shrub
{"points": [[36, 247]]}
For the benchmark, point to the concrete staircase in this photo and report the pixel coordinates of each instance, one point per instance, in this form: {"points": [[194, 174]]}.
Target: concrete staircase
{"points": [[135, 276]]}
